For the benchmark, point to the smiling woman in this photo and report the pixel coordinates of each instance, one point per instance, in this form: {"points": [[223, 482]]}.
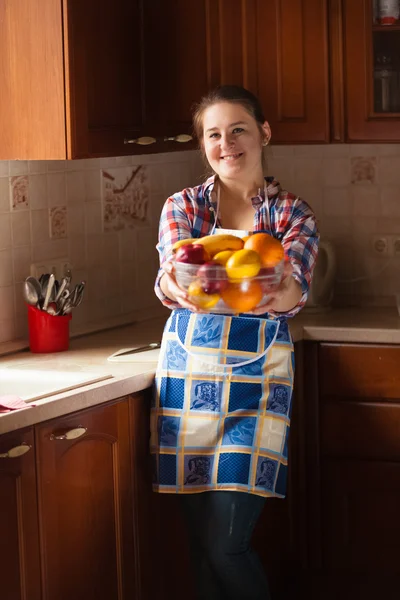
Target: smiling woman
{"points": [[221, 414]]}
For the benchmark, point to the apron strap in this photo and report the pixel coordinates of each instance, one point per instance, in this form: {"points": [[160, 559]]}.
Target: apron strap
{"points": [[227, 366]]}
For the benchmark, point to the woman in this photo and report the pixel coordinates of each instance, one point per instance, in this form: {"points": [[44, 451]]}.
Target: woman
{"points": [[219, 428]]}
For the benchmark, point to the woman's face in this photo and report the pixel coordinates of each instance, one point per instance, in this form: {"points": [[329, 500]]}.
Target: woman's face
{"points": [[232, 140]]}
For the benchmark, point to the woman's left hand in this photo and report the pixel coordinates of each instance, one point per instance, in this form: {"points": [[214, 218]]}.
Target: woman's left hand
{"points": [[278, 294]]}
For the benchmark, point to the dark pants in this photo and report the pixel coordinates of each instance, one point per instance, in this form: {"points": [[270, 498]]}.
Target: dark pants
{"points": [[220, 526]]}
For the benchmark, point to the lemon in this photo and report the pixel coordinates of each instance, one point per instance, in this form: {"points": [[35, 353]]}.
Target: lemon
{"points": [[222, 257], [243, 264], [200, 298]]}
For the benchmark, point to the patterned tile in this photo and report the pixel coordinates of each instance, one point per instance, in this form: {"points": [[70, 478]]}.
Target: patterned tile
{"points": [[19, 192], [125, 195]]}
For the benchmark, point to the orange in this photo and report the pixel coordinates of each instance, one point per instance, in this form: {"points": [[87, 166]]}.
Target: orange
{"points": [[199, 297], [270, 249], [243, 264], [246, 237], [243, 296]]}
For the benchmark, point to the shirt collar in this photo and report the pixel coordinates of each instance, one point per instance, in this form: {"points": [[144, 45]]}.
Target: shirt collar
{"points": [[271, 190]]}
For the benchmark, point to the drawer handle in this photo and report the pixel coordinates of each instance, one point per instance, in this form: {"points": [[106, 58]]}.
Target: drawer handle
{"points": [[72, 434], [142, 141], [182, 138], [17, 451]]}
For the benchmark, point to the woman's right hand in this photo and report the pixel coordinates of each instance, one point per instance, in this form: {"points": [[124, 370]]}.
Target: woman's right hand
{"points": [[172, 289]]}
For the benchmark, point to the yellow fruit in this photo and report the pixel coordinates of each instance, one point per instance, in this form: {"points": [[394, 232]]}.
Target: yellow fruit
{"points": [[180, 243], [243, 264], [200, 298], [222, 257], [245, 238], [217, 243]]}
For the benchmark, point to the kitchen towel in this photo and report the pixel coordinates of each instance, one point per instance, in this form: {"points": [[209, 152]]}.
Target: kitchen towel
{"points": [[9, 403]]}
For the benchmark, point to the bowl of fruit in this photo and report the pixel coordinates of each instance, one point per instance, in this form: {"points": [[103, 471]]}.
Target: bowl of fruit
{"points": [[227, 274]]}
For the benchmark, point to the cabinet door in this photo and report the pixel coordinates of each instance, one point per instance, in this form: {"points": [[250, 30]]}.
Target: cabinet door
{"points": [[190, 47], [19, 539], [359, 441], [32, 115], [292, 68], [85, 505], [372, 67], [104, 85]]}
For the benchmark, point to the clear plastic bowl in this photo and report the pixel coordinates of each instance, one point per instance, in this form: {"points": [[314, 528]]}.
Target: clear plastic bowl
{"points": [[267, 280]]}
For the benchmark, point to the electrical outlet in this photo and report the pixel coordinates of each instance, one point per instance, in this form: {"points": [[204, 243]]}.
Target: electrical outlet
{"points": [[59, 267], [396, 245], [380, 245]]}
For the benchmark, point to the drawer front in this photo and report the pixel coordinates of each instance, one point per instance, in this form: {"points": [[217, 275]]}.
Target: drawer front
{"points": [[354, 371]]}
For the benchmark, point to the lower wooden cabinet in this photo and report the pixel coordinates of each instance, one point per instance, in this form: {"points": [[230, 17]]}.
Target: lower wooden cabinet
{"points": [[354, 472], [19, 536], [79, 520]]}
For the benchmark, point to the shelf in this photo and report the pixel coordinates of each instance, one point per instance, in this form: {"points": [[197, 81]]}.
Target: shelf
{"points": [[385, 28]]}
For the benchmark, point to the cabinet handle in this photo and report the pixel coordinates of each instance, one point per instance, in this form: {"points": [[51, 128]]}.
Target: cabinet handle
{"points": [[17, 451], [142, 141], [182, 138], [72, 434]]}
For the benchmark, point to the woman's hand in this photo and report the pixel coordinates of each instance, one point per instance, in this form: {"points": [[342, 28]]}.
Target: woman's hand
{"points": [[171, 289], [285, 297]]}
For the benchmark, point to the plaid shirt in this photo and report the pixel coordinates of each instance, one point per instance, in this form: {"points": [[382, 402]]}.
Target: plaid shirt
{"points": [[192, 212]]}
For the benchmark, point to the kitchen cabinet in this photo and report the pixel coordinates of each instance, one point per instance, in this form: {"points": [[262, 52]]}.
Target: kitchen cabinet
{"points": [[19, 539], [372, 74], [354, 471], [86, 505], [292, 69], [85, 79]]}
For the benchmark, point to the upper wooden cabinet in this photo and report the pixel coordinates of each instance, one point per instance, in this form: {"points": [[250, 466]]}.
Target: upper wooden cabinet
{"points": [[372, 75], [84, 79], [292, 68]]}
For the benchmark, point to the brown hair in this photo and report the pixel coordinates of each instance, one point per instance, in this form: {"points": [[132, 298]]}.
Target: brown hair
{"points": [[227, 93]]}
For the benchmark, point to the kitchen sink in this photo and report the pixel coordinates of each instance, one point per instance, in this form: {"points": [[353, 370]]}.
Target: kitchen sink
{"points": [[34, 384]]}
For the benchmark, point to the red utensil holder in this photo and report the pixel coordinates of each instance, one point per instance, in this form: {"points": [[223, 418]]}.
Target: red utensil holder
{"points": [[47, 333]]}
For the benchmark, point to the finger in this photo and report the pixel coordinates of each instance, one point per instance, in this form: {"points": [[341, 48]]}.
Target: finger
{"points": [[168, 267]]}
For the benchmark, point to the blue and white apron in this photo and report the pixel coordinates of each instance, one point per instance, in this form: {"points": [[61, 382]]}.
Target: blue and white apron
{"points": [[221, 409]]}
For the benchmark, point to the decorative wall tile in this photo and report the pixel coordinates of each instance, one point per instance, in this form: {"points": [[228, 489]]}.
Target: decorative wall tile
{"points": [[363, 169], [58, 222], [125, 195], [19, 192]]}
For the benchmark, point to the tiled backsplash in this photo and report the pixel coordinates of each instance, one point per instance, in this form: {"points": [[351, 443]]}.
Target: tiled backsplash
{"points": [[103, 215]]}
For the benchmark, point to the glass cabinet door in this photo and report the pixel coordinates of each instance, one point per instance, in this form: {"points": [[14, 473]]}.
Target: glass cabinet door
{"points": [[386, 55]]}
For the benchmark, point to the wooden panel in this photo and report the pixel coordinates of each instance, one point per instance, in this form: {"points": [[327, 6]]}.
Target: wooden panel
{"points": [[336, 63], [355, 430], [362, 123], [104, 78], [293, 68], [353, 371], [32, 116], [361, 528], [19, 539], [85, 500]]}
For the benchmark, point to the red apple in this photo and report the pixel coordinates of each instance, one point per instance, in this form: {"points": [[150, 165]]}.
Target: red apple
{"points": [[211, 275], [192, 254]]}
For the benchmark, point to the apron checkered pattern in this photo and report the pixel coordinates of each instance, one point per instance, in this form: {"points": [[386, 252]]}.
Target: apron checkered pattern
{"points": [[222, 404]]}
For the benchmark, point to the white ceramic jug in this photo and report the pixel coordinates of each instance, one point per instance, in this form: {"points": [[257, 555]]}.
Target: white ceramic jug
{"points": [[321, 290]]}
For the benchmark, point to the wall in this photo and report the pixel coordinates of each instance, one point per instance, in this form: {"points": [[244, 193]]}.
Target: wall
{"points": [[103, 215]]}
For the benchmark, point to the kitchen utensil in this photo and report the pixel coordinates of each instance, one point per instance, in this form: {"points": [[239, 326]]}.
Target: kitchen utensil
{"points": [[48, 292], [321, 289], [31, 291], [63, 285], [126, 351]]}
